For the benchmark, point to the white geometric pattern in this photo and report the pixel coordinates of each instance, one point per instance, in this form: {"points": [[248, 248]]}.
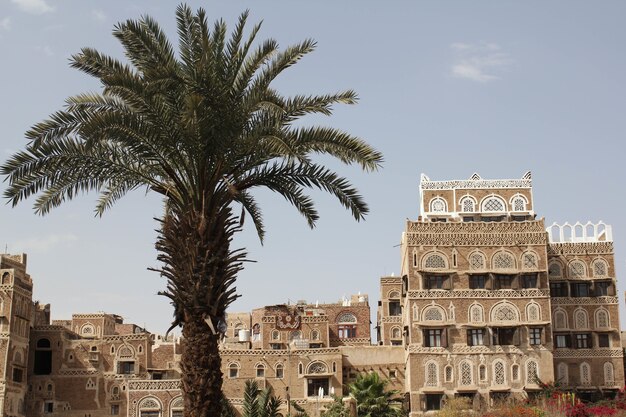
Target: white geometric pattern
{"points": [[600, 268], [477, 261], [609, 374], [503, 260], [432, 379], [530, 260], [554, 270], [585, 374], [466, 373], [433, 314], [577, 269], [532, 372], [435, 261], [498, 373], [493, 204]]}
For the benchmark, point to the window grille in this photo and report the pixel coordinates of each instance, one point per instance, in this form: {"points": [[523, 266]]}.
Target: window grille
{"points": [[562, 373], [503, 260], [466, 373], [435, 261], [515, 372], [585, 373], [609, 375], [317, 368], [431, 375], [347, 318], [532, 372], [395, 333], [554, 270], [493, 204], [467, 205], [602, 318], [482, 372], [477, 261], [519, 204], [560, 320], [448, 373], [577, 269], [580, 319], [498, 373], [433, 314], [530, 261], [532, 312], [476, 314], [438, 205], [599, 268], [505, 313]]}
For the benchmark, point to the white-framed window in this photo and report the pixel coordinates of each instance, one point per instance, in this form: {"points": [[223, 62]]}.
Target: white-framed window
{"points": [[499, 373], [600, 268], [503, 260], [609, 374], [448, 373], [602, 318], [477, 261], [438, 205], [518, 203], [577, 269], [530, 260], [433, 313], [533, 312], [532, 372], [562, 373], [280, 371], [493, 204], [233, 370], [468, 204], [432, 374], [560, 319], [465, 372], [581, 319], [585, 374], [260, 370], [555, 270], [435, 261]]}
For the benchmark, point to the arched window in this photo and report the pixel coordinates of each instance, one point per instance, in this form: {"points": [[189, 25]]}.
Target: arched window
{"points": [[300, 368], [504, 312], [577, 269], [448, 373], [465, 372], [518, 203], [438, 205], [260, 370], [468, 204], [347, 326], [609, 374], [476, 313], [275, 335], [433, 313], [581, 319], [233, 370], [280, 371], [515, 372], [396, 333], [532, 372], [477, 261], [493, 204], [533, 312], [482, 372], [315, 335], [416, 312], [499, 377], [562, 373], [177, 407], [600, 268], [317, 367], [238, 327], [602, 318], [555, 270], [43, 358], [87, 330], [585, 374], [432, 374], [530, 260], [149, 407], [435, 261], [295, 335], [503, 260], [560, 319]]}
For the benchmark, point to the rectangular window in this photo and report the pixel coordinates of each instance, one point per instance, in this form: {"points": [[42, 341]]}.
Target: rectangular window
{"points": [[534, 336], [505, 336], [475, 337], [48, 407], [478, 282], [602, 289], [503, 282], [519, 218], [468, 219], [115, 409], [580, 290], [603, 341], [18, 374], [558, 289], [434, 338], [126, 368], [177, 413], [396, 343], [433, 402], [561, 341], [394, 308], [583, 341], [435, 282], [347, 331], [276, 346], [529, 281], [492, 218], [314, 385]]}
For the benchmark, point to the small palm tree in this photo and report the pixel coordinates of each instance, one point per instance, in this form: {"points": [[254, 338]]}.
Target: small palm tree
{"points": [[260, 403], [372, 397], [203, 128]]}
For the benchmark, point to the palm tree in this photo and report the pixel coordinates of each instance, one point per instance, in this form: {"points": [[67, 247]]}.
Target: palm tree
{"points": [[372, 397], [260, 403], [203, 128]]}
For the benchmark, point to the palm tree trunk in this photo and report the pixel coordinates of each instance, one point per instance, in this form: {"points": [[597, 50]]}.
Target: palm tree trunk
{"points": [[201, 368]]}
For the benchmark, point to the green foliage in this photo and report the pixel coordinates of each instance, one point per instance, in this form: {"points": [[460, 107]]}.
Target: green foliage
{"points": [[456, 407], [299, 411], [373, 400], [259, 403], [336, 408]]}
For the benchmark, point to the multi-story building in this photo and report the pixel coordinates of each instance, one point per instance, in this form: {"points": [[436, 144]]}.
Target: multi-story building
{"points": [[488, 305]]}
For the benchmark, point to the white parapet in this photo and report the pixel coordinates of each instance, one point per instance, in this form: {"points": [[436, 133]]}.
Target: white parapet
{"points": [[578, 232]]}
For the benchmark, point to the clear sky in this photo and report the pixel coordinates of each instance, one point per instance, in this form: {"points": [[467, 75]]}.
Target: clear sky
{"points": [[446, 88]]}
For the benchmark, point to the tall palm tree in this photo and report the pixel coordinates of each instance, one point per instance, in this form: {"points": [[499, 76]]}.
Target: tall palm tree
{"points": [[372, 397], [203, 128]]}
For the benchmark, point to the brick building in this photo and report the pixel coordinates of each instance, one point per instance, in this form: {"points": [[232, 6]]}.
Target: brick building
{"points": [[488, 304]]}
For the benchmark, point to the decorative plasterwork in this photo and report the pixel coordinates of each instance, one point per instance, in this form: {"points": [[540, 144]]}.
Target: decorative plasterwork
{"points": [[391, 280], [284, 352], [467, 350], [154, 385], [471, 294], [475, 233], [588, 353], [475, 182], [584, 300], [392, 319], [581, 248]]}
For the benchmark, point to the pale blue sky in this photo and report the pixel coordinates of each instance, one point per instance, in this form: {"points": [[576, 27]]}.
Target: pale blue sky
{"points": [[446, 88]]}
